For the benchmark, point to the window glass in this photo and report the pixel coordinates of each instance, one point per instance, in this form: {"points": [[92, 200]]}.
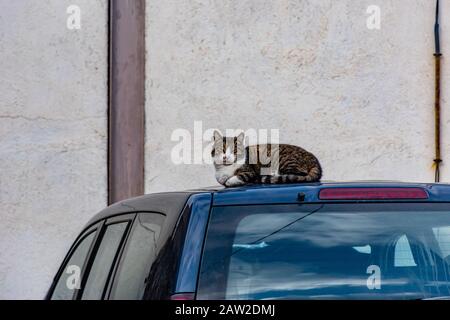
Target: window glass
{"points": [[403, 254], [139, 254], [443, 238], [103, 262], [328, 251], [70, 279]]}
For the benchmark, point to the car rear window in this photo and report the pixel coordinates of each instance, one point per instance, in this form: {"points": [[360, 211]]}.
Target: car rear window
{"points": [[327, 251]]}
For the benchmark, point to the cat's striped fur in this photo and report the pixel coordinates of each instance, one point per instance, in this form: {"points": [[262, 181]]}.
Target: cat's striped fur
{"points": [[238, 165]]}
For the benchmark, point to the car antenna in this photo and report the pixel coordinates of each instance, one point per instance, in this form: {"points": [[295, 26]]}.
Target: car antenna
{"points": [[437, 102]]}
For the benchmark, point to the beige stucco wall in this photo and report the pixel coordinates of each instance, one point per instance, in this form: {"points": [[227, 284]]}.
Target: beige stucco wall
{"points": [[360, 99], [53, 102]]}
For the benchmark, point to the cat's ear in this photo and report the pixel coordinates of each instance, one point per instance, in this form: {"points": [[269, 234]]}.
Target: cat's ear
{"points": [[217, 136], [241, 137]]}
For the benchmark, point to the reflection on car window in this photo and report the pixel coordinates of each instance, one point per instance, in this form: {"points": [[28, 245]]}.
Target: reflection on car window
{"points": [[138, 257], [442, 235], [363, 249], [403, 254], [70, 279], [284, 252], [103, 262]]}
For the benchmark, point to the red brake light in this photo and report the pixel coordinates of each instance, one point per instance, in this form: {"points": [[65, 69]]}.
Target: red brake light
{"points": [[183, 296], [372, 193]]}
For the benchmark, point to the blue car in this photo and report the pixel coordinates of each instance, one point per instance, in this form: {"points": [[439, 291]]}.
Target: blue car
{"points": [[371, 240]]}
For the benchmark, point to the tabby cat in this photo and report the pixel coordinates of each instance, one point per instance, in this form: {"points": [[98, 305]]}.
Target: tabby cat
{"points": [[238, 165]]}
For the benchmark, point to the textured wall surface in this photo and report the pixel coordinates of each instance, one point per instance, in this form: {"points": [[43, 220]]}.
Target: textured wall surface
{"points": [[53, 102], [360, 99]]}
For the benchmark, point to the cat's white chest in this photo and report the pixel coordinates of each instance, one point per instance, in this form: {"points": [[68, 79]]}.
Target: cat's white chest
{"points": [[225, 172]]}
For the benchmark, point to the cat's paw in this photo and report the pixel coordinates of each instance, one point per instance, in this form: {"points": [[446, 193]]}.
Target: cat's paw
{"points": [[222, 179], [234, 182]]}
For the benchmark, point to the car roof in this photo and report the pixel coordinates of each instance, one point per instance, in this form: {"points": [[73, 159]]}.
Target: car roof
{"points": [[171, 203], [168, 203], [288, 193]]}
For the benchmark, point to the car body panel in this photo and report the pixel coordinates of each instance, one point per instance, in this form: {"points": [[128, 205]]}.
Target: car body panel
{"points": [[200, 206]]}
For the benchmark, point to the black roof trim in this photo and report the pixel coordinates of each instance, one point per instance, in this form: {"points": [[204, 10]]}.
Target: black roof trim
{"points": [[168, 203]]}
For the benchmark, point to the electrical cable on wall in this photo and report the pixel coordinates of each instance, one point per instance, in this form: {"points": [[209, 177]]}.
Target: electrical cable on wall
{"points": [[437, 103]]}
